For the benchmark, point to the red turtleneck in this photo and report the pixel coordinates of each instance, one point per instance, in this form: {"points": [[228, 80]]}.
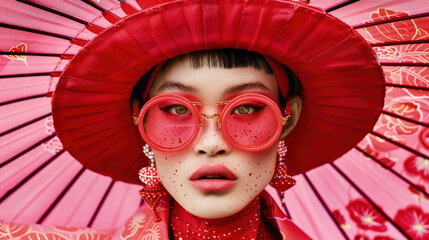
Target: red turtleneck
{"points": [[246, 224]]}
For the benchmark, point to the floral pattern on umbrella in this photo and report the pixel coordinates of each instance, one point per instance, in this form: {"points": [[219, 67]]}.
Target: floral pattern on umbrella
{"points": [[401, 31], [20, 48], [366, 216], [402, 127], [54, 144], [418, 194], [416, 165], [411, 29], [43, 236], [339, 218], [10, 230], [414, 221]]}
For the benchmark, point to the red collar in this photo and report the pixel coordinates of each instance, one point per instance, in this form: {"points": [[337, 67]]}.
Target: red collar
{"points": [[142, 224]]}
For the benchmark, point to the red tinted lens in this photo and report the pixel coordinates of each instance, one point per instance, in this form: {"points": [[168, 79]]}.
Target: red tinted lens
{"points": [[169, 124], [252, 124]]}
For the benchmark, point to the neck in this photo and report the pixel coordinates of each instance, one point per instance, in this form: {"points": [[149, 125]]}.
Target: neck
{"points": [[245, 224]]}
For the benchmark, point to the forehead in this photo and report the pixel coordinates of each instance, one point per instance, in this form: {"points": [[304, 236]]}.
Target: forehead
{"points": [[212, 83]]}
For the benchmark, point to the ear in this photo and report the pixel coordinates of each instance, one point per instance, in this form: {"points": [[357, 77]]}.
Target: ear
{"points": [[295, 112]]}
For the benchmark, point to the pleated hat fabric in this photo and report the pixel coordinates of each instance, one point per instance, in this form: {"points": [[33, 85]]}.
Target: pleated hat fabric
{"points": [[342, 79]]}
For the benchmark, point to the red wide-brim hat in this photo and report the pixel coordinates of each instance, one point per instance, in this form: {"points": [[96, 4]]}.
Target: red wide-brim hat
{"points": [[343, 83]]}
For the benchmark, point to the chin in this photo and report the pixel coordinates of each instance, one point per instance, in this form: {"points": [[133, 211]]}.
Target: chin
{"points": [[216, 209], [214, 206]]}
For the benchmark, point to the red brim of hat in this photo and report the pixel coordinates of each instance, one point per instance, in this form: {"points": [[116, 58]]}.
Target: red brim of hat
{"points": [[342, 80]]}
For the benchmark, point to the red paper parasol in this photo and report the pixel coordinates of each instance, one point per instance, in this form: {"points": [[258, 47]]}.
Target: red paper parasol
{"points": [[375, 191]]}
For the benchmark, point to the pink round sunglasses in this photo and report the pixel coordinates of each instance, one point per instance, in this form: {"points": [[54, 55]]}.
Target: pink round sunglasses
{"points": [[250, 121]]}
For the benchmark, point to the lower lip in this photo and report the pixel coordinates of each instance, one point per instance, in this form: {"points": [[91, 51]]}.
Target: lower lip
{"points": [[213, 185]]}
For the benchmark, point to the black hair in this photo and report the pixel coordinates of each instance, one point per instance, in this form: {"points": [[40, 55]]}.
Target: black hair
{"points": [[224, 58]]}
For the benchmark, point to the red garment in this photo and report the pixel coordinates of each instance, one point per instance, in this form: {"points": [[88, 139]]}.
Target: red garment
{"points": [[143, 226], [246, 224]]}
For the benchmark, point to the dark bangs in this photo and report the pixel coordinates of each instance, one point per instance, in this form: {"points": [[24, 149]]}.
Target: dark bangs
{"points": [[225, 58]]}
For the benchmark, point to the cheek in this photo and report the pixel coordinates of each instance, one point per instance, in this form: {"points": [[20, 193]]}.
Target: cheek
{"points": [[261, 172], [256, 174], [170, 169]]}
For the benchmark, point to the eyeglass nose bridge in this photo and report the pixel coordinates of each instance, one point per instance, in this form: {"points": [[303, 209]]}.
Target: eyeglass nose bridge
{"points": [[214, 116]]}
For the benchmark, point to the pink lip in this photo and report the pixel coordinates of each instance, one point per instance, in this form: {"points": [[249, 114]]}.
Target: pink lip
{"points": [[213, 184]]}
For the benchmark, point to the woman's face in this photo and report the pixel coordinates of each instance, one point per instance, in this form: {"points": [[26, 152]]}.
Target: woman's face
{"points": [[210, 154]]}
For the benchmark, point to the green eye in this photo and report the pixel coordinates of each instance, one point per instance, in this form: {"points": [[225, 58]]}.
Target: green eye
{"points": [[243, 109], [179, 110]]}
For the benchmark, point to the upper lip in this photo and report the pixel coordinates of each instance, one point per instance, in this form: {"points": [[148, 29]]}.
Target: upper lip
{"points": [[213, 170]]}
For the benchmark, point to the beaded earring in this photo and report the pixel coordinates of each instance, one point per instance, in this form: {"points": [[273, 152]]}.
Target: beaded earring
{"points": [[281, 180], [153, 190], [136, 112]]}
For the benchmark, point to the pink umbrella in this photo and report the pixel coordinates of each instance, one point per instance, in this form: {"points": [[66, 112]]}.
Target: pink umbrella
{"points": [[375, 191]]}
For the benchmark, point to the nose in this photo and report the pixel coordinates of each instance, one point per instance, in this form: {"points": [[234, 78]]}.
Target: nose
{"points": [[210, 139]]}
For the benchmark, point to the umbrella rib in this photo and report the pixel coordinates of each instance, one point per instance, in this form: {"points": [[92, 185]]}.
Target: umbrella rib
{"points": [[403, 118], [37, 54], [22, 99], [60, 196], [407, 64], [27, 75], [414, 16], [400, 145], [325, 206], [29, 176], [340, 5], [406, 86], [53, 11], [124, 1], [392, 43], [392, 171], [25, 124], [100, 204], [35, 31], [27, 150], [94, 5], [370, 200]]}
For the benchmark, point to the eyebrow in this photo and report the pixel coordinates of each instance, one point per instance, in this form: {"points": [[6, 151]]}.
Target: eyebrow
{"points": [[246, 86], [171, 85], [176, 86]]}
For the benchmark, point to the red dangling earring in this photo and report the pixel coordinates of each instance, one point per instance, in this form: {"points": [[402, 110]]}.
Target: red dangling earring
{"points": [[153, 190], [281, 180]]}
